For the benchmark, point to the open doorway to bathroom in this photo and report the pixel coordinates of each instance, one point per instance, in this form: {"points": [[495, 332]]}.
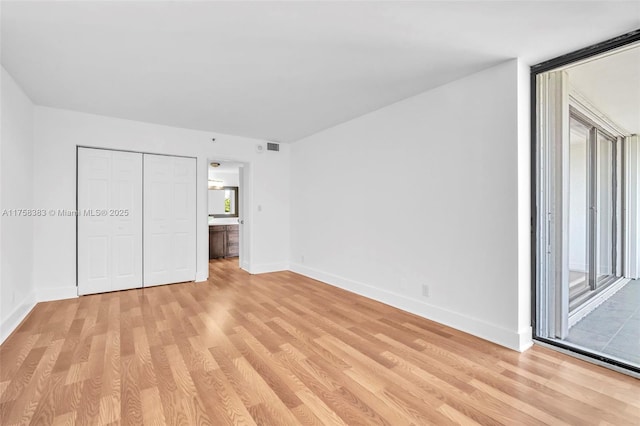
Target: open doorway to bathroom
{"points": [[226, 196], [586, 177]]}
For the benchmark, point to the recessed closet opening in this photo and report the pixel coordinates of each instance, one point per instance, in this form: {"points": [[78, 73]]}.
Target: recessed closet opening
{"points": [[135, 218]]}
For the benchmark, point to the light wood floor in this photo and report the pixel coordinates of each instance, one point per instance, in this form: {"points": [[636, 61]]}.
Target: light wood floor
{"points": [[281, 349]]}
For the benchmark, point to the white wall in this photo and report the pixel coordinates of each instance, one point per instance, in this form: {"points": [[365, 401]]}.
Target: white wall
{"points": [[58, 132], [17, 292], [459, 158], [228, 178]]}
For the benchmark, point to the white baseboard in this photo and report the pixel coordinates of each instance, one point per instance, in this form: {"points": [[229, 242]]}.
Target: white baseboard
{"points": [[268, 267], [525, 339], [15, 318], [512, 339]]}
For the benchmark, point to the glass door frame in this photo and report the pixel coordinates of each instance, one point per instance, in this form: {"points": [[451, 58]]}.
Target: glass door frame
{"points": [[595, 132], [545, 228], [596, 283]]}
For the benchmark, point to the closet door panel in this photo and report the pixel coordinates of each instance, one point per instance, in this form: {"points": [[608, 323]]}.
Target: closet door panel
{"points": [[109, 220], [126, 218], [170, 219], [97, 264], [157, 221]]}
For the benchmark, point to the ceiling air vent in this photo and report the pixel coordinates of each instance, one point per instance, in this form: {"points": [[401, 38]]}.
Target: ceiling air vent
{"points": [[273, 146]]}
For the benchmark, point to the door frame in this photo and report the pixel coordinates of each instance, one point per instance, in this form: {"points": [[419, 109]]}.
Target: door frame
{"points": [[245, 218], [588, 116], [539, 228], [78, 147]]}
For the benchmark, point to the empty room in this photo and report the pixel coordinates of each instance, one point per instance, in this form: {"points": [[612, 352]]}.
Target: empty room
{"points": [[309, 212]]}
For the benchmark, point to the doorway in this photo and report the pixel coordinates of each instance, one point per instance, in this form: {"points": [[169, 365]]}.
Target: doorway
{"points": [[227, 198], [586, 212]]}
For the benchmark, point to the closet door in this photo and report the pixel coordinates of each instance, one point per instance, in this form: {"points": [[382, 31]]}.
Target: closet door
{"points": [[109, 220], [169, 219]]}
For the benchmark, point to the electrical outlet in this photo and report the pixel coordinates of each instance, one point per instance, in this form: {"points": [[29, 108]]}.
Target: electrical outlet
{"points": [[425, 290], [302, 259]]}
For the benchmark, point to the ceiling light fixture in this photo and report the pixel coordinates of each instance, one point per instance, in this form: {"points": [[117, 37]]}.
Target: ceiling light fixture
{"points": [[214, 164]]}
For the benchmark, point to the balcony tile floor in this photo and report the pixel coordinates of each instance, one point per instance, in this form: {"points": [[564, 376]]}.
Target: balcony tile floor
{"points": [[613, 328]]}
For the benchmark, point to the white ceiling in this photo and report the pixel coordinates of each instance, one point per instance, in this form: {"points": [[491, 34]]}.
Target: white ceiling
{"points": [[277, 70], [612, 84]]}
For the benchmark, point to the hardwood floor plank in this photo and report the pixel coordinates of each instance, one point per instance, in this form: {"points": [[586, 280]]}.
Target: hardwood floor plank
{"points": [[456, 416], [131, 405], [282, 349], [46, 409], [69, 397], [319, 408], [263, 367], [66, 419], [89, 406], [13, 355], [23, 375], [234, 377], [186, 389], [152, 413], [266, 396], [29, 398], [525, 407], [460, 401], [305, 416], [217, 404], [423, 410]]}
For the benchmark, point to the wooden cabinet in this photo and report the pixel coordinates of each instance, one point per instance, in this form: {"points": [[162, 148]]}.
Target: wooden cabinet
{"points": [[223, 241], [217, 241], [233, 241]]}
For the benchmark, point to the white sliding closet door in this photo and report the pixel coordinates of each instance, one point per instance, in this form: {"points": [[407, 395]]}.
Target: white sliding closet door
{"points": [[169, 219], [109, 220]]}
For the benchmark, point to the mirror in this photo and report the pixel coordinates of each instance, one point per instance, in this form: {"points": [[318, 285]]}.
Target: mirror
{"points": [[223, 202]]}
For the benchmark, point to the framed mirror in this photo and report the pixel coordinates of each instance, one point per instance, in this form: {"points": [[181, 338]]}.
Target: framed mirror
{"points": [[223, 202]]}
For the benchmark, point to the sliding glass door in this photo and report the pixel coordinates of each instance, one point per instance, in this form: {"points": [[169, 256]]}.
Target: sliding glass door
{"points": [[586, 197], [578, 209], [604, 211], [592, 202]]}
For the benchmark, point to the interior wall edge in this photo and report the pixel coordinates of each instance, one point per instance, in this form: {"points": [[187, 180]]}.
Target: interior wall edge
{"points": [[517, 340], [17, 288], [524, 197]]}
